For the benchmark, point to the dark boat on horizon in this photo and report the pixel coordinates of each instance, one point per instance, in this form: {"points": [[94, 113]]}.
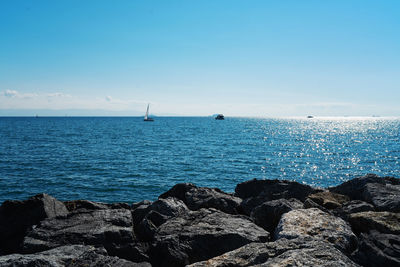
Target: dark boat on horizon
{"points": [[220, 117]]}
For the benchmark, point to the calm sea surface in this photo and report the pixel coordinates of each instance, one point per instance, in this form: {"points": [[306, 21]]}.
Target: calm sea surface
{"points": [[112, 159]]}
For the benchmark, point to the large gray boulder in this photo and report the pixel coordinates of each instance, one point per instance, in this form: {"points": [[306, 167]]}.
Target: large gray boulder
{"points": [[303, 251], [200, 235], [202, 197], [69, 256], [109, 228], [378, 249], [385, 222], [17, 217], [317, 224]]}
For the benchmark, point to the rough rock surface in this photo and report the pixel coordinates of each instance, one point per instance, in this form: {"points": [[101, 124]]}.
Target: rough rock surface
{"points": [[317, 256], [203, 227], [110, 228], [202, 197], [139, 211], [354, 206], [273, 189], [308, 204], [385, 197], [328, 199], [255, 192], [170, 207], [377, 249], [355, 188], [148, 217], [201, 235], [268, 214], [304, 251], [385, 222], [17, 217], [317, 224], [91, 205], [84, 204], [75, 255]]}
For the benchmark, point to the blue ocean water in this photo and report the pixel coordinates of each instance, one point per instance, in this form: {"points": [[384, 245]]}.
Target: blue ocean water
{"points": [[112, 159]]}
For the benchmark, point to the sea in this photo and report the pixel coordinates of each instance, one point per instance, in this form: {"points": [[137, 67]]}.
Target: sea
{"points": [[124, 159]]}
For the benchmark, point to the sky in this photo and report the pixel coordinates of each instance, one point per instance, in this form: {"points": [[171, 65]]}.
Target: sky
{"points": [[197, 58]]}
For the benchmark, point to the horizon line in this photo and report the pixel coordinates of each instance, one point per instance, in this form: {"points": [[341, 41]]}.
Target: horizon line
{"points": [[201, 116]]}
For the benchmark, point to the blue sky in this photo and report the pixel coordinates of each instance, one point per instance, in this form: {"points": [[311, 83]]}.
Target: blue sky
{"points": [[240, 58]]}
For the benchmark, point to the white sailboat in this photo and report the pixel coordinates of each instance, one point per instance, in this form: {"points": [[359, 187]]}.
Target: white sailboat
{"points": [[146, 116]]}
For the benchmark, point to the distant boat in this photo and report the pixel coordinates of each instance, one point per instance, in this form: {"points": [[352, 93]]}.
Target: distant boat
{"points": [[310, 117], [146, 117], [220, 117]]}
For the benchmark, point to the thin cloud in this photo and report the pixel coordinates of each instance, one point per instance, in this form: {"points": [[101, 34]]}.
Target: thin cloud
{"points": [[10, 93], [58, 94], [15, 94], [12, 99]]}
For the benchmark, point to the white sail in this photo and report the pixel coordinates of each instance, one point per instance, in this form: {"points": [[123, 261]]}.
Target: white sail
{"points": [[147, 112]]}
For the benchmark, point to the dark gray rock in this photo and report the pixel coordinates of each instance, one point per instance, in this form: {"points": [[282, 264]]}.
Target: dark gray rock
{"points": [[377, 249], [356, 206], [255, 192], [84, 204], [139, 211], [80, 204], [149, 218], [119, 205], [273, 189], [385, 222], [109, 228], [268, 214], [355, 188], [170, 207], [147, 228], [141, 203], [308, 204], [304, 251], [76, 255], [200, 235], [249, 204], [353, 206], [319, 225], [17, 217], [385, 197], [202, 197]]}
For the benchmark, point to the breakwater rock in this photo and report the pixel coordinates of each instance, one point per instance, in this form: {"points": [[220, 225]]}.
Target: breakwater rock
{"points": [[264, 223]]}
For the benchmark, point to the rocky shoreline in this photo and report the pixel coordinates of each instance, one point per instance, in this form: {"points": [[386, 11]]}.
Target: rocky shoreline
{"points": [[264, 223]]}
